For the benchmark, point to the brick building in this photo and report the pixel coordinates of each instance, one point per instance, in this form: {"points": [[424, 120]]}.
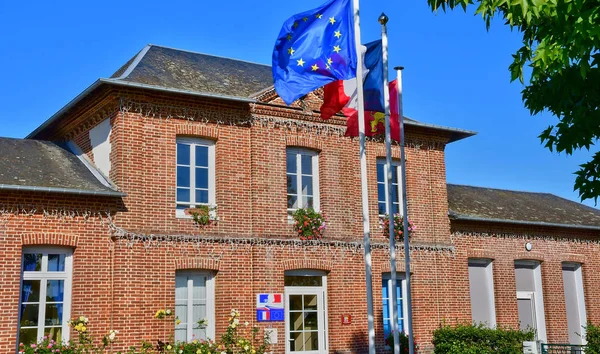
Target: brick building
{"points": [[93, 221]]}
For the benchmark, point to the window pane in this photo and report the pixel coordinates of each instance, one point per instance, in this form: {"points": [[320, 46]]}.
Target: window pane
{"points": [[180, 334], [201, 196], [198, 313], [55, 290], [311, 341], [380, 174], [307, 185], [296, 321], [395, 208], [183, 176], [183, 154], [199, 291], [56, 262], [306, 164], [292, 184], [180, 287], [395, 193], [381, 192], [292, 201], [301, 280], [32, 262], [181, 312], [202, 178], [183, 195], [290, 163], [30, 291], [309, 203], [310, 302], [201, 156], [297, 343], [310, 321], [28, 336], [381, 209], [394, 174], [54, 333], [54, 314], [29, 314], [295, 302]]}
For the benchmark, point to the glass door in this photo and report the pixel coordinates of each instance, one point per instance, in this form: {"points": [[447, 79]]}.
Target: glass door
{"points": [[305, 320]]}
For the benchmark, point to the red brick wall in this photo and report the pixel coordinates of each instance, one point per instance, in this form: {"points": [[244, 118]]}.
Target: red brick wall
{"points": [[552, 247], [28, 219], [120, 283]]}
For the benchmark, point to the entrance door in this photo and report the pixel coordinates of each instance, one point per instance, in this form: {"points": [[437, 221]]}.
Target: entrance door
{"points": [[305, 320], [305, 311]]}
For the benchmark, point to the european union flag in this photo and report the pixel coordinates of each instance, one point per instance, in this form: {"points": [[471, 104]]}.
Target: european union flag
{"points": [[314, 48]]}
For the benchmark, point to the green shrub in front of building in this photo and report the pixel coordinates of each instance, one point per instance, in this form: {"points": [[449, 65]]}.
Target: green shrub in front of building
{"points": [[478, 339], [592, 336]]}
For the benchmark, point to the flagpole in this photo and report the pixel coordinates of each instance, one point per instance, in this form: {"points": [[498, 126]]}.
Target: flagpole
{"points": [[383, 20], [363, 179], [404, 213]]}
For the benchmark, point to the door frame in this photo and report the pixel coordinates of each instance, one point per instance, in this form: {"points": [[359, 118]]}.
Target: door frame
{"points": [[321, 292]]}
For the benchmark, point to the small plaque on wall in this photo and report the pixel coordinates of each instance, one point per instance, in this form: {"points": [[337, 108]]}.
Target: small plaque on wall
{"points": [[346, 319]]}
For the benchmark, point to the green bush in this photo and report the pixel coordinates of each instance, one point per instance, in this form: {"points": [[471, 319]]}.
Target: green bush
{"points": [[478, 339], [592, 336]]}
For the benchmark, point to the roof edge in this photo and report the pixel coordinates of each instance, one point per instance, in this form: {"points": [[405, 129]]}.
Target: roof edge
{"points": [[12, 187], [171, 90], [456, 133], [455, 216], [65, 108], [135, 62], [118, 82]]}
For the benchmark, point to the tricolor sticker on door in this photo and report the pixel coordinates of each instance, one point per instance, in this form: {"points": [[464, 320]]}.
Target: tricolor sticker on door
{"points": [[269, 307]]}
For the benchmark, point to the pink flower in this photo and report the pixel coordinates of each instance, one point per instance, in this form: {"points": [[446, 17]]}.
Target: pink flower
{"points": [[33, 345]]}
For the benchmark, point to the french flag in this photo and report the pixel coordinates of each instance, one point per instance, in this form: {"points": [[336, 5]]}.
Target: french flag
{"points": [[343, 96]]}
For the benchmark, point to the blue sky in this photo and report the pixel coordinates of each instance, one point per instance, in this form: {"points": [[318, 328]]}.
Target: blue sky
{"points": [[456, 72]]}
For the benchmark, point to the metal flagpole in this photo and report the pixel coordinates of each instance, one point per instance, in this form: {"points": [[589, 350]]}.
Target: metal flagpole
{"points": [[383, 20], [363, 178], [404, 213]]}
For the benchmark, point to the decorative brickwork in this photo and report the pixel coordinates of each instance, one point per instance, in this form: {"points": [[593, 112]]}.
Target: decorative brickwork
{"points": [[53, 239]]}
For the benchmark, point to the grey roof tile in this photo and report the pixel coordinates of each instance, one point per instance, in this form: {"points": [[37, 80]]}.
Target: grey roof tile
{"points": [[469, 202], [46, 166], [190, 71]]}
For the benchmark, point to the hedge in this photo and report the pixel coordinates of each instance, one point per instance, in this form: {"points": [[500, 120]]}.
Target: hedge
{"points": [[478, 339]]}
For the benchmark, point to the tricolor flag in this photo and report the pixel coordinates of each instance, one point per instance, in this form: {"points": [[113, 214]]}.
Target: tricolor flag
{"points": [[342, 96]]}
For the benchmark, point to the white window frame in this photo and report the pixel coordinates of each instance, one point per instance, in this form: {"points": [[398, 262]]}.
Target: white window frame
{"points": [[537, 297], [44, 275], [210, 302], [211, 173], [397, 166], [579, 291], [400, 277], [322, 299], [488, 263], [315, 176]]}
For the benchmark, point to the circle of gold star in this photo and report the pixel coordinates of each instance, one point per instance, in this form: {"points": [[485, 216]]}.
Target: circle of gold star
{"points": [[315, 67], [332, 20], [319, 16], [289, 37], [291, 51], [337, 48], [329, 61], [300, 62], [337, 34]]}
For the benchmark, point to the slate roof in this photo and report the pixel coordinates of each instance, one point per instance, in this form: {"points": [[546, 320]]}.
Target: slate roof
{"points": [[190, 71], [179, 71], [45, 166], [488, 204]]}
